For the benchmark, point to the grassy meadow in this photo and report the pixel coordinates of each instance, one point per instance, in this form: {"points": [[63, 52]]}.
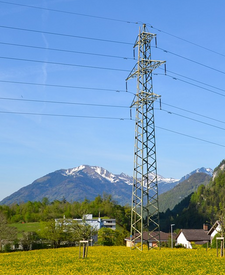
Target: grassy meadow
{"points": [[113, 260], [26, 227]]}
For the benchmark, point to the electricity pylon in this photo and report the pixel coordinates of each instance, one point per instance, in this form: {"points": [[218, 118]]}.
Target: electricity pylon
{"points": [[145, 205]]}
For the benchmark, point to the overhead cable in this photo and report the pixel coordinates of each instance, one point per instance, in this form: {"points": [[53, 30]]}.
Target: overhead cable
{"points": [[116, 20], [191, 112], [63, 102], [70, 12], [63, 50], [63, 34], [104, 105], [191, 60], [189, 118], [185, 40], [60, 63], [64, 86], [195, 85], [63, 115], [110, 118], [108, 55], [189, 136]]}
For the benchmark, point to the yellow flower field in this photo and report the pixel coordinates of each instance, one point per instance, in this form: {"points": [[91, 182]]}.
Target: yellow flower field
{"points": [[112, 260]]}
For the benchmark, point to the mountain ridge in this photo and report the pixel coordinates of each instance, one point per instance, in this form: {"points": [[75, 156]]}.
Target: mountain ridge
{"points": [[183, 189], [82, 182]]}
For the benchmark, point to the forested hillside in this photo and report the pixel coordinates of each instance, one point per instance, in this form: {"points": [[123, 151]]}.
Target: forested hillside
{"points": [[210, 200], [206, 205], [174, 196]]}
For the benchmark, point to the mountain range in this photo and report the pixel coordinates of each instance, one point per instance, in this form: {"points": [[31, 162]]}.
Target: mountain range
{"points": [[86, 181]]}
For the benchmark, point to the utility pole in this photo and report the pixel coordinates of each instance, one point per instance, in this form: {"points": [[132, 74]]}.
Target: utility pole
{"points": [[145, 205], [172, 234]]}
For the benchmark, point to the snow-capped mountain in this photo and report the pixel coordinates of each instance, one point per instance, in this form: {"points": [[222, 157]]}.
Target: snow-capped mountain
{"points": [[207, 171], [96, 171], [76, 184], [86, 181]]}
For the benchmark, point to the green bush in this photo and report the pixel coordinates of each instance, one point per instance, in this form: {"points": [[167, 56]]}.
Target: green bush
{"points": [[7, 247], [179, 245]]}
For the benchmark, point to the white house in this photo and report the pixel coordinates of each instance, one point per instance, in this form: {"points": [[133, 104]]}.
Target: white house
{"points": [[187, 236], [96, 223], [215, 229]]}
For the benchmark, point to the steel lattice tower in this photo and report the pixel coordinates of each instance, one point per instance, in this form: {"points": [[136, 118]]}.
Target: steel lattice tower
{"points": [[145, 209]]}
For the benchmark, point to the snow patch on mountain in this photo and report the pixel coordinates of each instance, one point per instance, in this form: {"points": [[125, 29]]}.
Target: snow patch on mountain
{"points": [[127, 179], [163, 183], [105, 174], [73, 171], [166, 180]]}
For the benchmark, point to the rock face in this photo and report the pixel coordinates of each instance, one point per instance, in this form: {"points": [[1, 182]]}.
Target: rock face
{"points": [[220, 167]]}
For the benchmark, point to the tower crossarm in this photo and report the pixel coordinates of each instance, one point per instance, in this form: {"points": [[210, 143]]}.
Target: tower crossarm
{"points": [[144, 66]]}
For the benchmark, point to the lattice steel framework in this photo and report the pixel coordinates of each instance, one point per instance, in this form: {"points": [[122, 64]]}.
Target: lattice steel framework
{"points": [[145, 209]]}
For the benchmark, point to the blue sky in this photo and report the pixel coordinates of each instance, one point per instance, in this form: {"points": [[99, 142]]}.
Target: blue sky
{"points": [[190, 39]]}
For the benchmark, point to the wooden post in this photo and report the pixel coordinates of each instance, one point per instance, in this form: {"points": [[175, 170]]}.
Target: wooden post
{"points": [[221, 246], [85, 249]]}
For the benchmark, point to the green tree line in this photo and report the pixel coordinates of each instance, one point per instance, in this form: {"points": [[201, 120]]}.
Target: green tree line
{"points": [[45, 210]]}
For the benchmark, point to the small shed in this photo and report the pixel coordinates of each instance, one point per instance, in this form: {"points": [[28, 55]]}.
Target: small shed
{"points": [[187, 236]]}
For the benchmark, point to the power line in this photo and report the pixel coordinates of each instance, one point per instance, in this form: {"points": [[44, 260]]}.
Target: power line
{"points": [[115, 69], [113, 106], [110, 118], [116, 106], [63, 102], [197, 81], [93, 67], [108, 55], [191, 60], [65, 35], [63, 50], [189, 136], [72, 13], [116, 20], [185, 40], [63, 115], [202, 122], [187, 82], [193, 113], [123, 58], [113, 90], [62, 64], [64, 86]]}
